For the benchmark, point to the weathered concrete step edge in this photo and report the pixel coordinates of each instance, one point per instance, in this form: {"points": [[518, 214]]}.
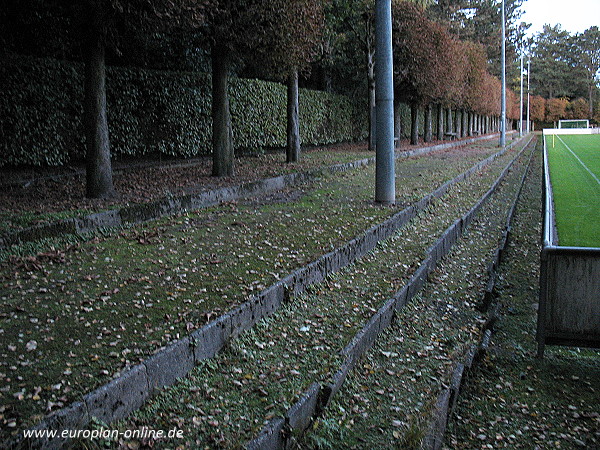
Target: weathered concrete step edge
{"points": [[276, 434], [135, 385], [446, 400], [135, 214]]}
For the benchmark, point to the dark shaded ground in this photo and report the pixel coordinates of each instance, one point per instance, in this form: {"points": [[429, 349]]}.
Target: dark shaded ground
{"points": [[43, 190], [32, 196]]}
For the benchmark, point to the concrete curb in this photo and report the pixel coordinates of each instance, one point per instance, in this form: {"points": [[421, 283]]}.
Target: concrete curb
{"points": [[365, 338], [135, 214], [272, 436], [125, 394]]}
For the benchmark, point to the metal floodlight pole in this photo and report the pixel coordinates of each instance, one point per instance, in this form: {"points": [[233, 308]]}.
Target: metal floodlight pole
{"points": [[521, 105], [503, 63], [385, 176], [528, 93]]}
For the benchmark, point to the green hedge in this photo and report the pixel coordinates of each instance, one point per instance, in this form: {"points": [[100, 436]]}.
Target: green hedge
{"points": [[158, 112], [40, 123], [152, 112], [325, 118]]}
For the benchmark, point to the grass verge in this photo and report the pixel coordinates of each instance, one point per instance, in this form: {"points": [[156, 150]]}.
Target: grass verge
{"points": [[387, 401], [46, 201]]}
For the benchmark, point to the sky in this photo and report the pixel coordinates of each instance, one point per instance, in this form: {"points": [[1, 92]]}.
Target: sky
{"points": [[574, 16]]}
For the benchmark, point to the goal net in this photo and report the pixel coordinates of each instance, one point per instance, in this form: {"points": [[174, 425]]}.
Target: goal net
{"points": [[579, 123]]}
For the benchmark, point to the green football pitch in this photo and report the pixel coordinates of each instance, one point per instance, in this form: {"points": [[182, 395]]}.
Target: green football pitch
{"points": [[574, 162]]}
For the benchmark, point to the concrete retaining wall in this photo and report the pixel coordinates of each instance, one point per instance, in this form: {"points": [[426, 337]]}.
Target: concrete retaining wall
{"points": [[569, 312], [569, 306]]}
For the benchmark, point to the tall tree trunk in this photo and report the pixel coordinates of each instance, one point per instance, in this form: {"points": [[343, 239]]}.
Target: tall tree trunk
{"points": [[458, 123], [371, 84], [222, 133], [440, 122], [293, 121], [470, 124], [99, 181], [428, 134], [465, 121], [326, 81], [414, 124], [591, 100], [449, 122], [397, 123]]}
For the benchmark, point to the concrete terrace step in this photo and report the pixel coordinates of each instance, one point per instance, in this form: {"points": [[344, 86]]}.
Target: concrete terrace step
{"points": [[401, 340], [251, 386], [110, 402]]}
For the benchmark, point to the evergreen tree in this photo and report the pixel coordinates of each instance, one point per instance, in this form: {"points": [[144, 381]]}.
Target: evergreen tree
{"points": [[588, 44], [556, 71]]}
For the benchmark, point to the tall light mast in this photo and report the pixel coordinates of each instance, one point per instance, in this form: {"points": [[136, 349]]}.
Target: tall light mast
{"points": [[521, 105], [385, 176], [503, 63], [528, 94]]}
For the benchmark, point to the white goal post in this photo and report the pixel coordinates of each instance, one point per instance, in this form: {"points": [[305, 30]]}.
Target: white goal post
{"points": [[574, 123]]}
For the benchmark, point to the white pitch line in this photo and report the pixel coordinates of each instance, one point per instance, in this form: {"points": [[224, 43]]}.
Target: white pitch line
{"points": [[580, 161]]}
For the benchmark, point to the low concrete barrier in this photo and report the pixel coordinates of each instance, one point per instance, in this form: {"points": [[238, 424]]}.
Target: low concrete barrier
{"points": [[569, 306], [446, 401]]}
